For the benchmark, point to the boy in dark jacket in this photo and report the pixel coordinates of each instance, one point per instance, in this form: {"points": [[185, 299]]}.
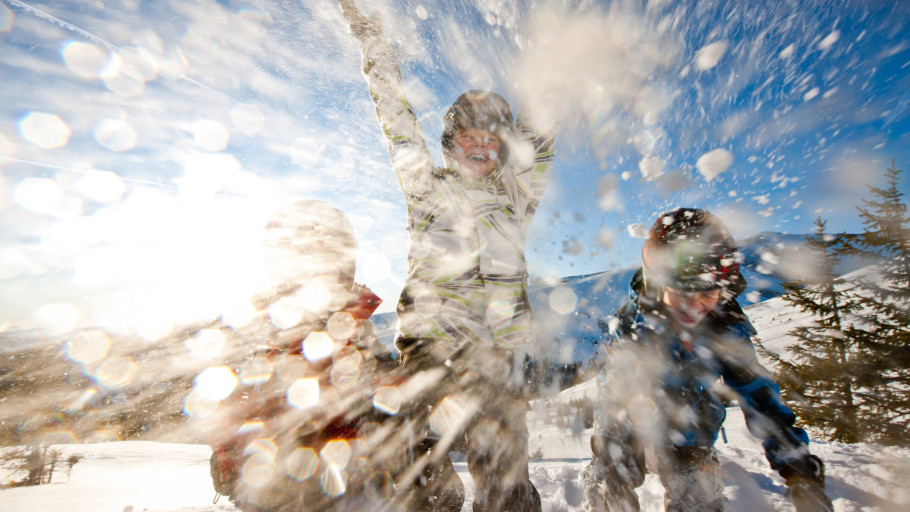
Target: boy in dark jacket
{"points": [[681, 350]]}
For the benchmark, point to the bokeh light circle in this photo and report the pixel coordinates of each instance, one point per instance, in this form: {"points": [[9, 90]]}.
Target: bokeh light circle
{"points": [[388, 399], [88, 347], [303, 393], [116, 372], [216, 383], [563, 300], [341, 326], [302, 463], [318, 346], [45, 130], [257, 370], [115, 134]]}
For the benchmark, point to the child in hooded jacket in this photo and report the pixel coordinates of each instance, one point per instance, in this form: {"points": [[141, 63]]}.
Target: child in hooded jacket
{"points": [[683, 349], [464, 327]]}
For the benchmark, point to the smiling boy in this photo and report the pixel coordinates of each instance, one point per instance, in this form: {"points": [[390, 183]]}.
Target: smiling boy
{"points": [[464, 317], [683, 348]]}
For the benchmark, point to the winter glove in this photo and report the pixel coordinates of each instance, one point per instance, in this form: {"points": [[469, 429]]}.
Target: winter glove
{"points": [[361, 26], [805, 479]]}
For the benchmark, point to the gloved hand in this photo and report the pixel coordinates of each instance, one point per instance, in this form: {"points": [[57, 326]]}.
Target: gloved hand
{"points": [[805, 479]]}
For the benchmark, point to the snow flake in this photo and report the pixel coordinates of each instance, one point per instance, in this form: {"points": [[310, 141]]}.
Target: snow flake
{"points": [[638, 230], [714, 163], [708, 56], [829, 40]]}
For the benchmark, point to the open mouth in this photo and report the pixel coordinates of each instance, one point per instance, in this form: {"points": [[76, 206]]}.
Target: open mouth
{"points": [[482, 157]]}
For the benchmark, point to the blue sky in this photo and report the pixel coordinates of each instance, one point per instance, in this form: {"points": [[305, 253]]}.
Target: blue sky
{"points": [[143, 145]]}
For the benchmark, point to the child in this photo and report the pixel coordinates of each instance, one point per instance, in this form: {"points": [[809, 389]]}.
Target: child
{"points": [[679, 333], [464, 309], [299, 430]]}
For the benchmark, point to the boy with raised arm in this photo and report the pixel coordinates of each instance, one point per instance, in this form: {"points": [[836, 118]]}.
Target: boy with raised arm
{"points": [[464, 317]]}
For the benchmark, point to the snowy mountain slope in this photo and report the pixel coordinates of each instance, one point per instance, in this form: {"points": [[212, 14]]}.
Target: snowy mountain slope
{"points": [[774, 318], [770, 258]]}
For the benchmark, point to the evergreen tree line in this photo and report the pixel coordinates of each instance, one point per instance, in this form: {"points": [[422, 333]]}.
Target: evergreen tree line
{"points": [[848, 374]]}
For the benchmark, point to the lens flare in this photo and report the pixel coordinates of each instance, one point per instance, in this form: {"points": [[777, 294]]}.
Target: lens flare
{"points": [[256, 371], [39, 195], [239, 315], [337, 452], [250, 427], [101, 186], [304, 393], [196, 406], [6, 18], [88, 347], [45, 130], [116, 372], [318, 346], [563, 300], [379, 486], [302, 463], [84, 398], [388, 399], [341, 326], [260, 464], [286, 312], [86, 60], [115, 134], [216, 383], [346, 370], [334, 480]]}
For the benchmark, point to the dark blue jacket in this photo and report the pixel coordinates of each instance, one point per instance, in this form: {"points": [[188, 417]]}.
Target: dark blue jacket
{"points": [[686, 377]]}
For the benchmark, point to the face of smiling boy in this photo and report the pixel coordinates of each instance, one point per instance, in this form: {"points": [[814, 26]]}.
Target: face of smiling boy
{"points": [[690, 308], [477, 151]]}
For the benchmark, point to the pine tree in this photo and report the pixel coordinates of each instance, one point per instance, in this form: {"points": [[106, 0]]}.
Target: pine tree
{"points": [[821, 378], [885, 303]]}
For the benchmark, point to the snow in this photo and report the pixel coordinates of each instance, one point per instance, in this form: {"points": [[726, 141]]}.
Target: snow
{"points": [[708, 56], [132, 476], [157, 477], [713, 163]]}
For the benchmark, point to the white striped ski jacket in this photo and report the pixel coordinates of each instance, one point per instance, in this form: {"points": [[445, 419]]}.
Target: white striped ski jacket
{"points": [[467, 278]]}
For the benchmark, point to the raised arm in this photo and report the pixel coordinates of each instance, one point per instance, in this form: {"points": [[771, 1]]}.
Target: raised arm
{"points": [[531, 161], [407, 148]]}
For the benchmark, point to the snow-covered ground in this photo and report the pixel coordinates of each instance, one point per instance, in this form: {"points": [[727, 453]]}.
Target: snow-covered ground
{"points": [[134, 476]]}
